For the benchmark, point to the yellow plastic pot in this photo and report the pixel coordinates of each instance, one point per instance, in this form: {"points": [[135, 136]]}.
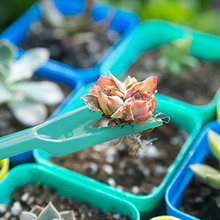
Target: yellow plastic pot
{"points": [[4, 167], [165, 217]]}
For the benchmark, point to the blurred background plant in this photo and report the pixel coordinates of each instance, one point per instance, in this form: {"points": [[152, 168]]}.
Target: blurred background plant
{"points": [[199, 14]]}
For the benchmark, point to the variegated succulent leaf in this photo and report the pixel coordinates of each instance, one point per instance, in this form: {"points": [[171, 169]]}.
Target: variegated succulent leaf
{"points": [[51, 14], [124, 103], [205, 173], [175, 56], [27, 100], [47, 213], [202, 171], [214, 143], [7, 51]]}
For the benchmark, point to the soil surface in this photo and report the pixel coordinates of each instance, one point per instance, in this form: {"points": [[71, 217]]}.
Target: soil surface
{"points": [[9, 124], [195, 85], [26, 197], [115, 167], [81, 50], [199, 199]]}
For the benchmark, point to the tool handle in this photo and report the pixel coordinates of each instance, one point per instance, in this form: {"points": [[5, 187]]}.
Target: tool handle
{"points": [[17, 143]]}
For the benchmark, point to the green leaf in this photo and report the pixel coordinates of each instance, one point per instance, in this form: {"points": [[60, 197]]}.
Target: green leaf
{"points": [[214, 143], [49, 213], [5, 94], [213, 180], [6, 52], [51, 14], [25, 67], [45, 92], [27, 216], [218, 111], [28, 113], [201, 171]]}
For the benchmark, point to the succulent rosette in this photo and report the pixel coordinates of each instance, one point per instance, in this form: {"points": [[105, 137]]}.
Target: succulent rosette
{"points": [[130, 102]]}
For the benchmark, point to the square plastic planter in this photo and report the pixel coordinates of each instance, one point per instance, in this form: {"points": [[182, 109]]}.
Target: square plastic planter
{"points": [[150, 35], [198, 153], [52, 72], [4, 167], [64, 186], [123, 22], [181, 117]]}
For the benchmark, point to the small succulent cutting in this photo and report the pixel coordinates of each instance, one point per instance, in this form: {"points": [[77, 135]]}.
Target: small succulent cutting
{"points": [[27, 100], [130, 102], [47, 213], [176, 56], [205, 173]]}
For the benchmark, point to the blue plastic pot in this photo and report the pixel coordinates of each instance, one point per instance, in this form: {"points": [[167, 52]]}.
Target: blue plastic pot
{"points": [[64, 186], [146, 204], [123, 22], [197, 154], [50, 71]]}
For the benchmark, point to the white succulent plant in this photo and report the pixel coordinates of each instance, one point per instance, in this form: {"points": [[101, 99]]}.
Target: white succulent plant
{"points": [[47, 213], [27, 100]]}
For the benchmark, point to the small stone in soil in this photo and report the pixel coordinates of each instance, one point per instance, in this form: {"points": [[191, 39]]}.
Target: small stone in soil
{"points": [[159, 171], [42, 196], [108, 169]]}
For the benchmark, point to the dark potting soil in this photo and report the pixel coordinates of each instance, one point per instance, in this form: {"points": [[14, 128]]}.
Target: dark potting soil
{"points": [[26, 197], [199, 199], [115, 167], [82, 50], [195, 85], [9, 124]]}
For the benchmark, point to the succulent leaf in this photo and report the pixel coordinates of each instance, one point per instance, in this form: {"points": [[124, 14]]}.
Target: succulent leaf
{"points": [[127, 102], [92, 102], [49, 213], [5, 94], [6, 52], [214, 143], [218, 111], [25, 67], [28, 216], [45, 92], [176, 56], [51, 14], [28, 113], [201, 171], [36, 210], [213, 180]]}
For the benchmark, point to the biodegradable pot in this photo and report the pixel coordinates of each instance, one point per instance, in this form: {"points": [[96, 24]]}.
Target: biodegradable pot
{"points": [[123, 22], [165, 217], [152, 34], [181, 117], [50, 71], [64, 186], [4, 167], [197, 154]]}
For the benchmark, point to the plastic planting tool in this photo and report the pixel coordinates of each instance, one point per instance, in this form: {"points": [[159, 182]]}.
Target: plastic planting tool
{"points": [[65, 134]]}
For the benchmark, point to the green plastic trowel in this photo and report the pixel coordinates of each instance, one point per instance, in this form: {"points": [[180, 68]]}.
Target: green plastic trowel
{"points": [[65, 134]]}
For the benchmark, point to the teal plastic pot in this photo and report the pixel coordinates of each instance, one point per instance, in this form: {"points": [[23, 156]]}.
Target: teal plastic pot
{"points": [[152, 34], [64, 186], [146, 204]]}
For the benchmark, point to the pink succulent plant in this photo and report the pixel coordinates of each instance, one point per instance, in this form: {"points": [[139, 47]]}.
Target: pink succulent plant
{"points": [[130, 102]]}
